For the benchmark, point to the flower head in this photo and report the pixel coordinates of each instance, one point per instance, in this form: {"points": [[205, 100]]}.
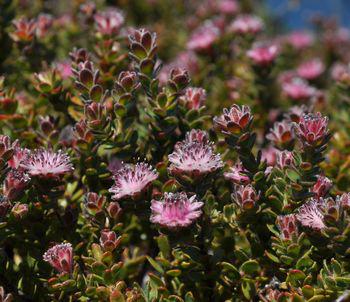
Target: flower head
{"points": [[175, 210], [203, 37], [300, 40], [297, 89], [282, 134], [194, 156], [263, 55], [60, 257], [322, 186], [246, 197], [288, 226], [109, 22], [194, 98], [246, 24], [131, 180], [24, 30], [344, 200], [235, 120], [311, 70], [312, 129], [237, 174], [295, 113], [310, 215], [47, 163]]}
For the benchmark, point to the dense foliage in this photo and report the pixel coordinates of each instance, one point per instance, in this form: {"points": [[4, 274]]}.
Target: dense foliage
{"points": [[172, 151]]}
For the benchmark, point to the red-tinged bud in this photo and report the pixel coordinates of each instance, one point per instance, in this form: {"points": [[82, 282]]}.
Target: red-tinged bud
{"points": [[235, 120], [284, 159], [96, 116], [60, 257], [44, 23], [109, 22], [143, 44], [295, 113], [282, 135], [48, 125], [79, 55], [114, 210], [15, 184], [127, 82], [109, 241], [288, 226], [245, 197], [179, 79], [24, 30], [312, 130], [94, 203], [4, 206], [322, 186], [19, 210], [193, 98]]}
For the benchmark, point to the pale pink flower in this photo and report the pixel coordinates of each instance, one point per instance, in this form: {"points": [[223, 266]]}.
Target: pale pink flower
{"points": [[311, 69], [175, 210], [47, 163], [194, 98], [322, 186], [298, 89], [300, 40], [64, 68], [310, 215], [131, 180], [43, 25], [269, 154], [109, 22], [203, 38], [227, 7], [194, 158], [237, 174], [246, 24], [60, 257], [263, 55], [195, 135], [287, 224]]}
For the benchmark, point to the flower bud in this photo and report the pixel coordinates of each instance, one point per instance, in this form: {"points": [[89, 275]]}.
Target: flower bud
{"points": [[19, 210], [60, 257], [284, 159], [127, 82], [96, 116], [109, 22], [322, 186], [24, 30], [143, 44], [82, 133], [114, 210], [282, 135], [79, 55], [246, 197], [179, 79], [193, 98], [288, 226], [94, 203], [109, 241], [15, 183], [237, 174], [44, 23]]}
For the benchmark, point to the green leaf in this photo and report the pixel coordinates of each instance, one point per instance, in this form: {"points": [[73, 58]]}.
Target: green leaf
{"points": [[155, 265], [250, 267]]}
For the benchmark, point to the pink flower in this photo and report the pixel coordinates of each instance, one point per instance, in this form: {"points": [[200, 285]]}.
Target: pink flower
{"points": [[288, 226], [203, 37], [312, 129], [15, 183], [284, 159], [44, 23], [235, 120], [64, 68], [131, 180], [194, 158], [60, 257], [194, 98], [300, 40], [282, 134], [246, 24], [263, 55], [311, 70], [47, 163], [340, 72], [227, 7], [109, 241], [109, 22], [237, 174], [309, 215], [269, 155], [297, 89], [175, 210], [246, 197], [322, 186], [295, 113]]}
